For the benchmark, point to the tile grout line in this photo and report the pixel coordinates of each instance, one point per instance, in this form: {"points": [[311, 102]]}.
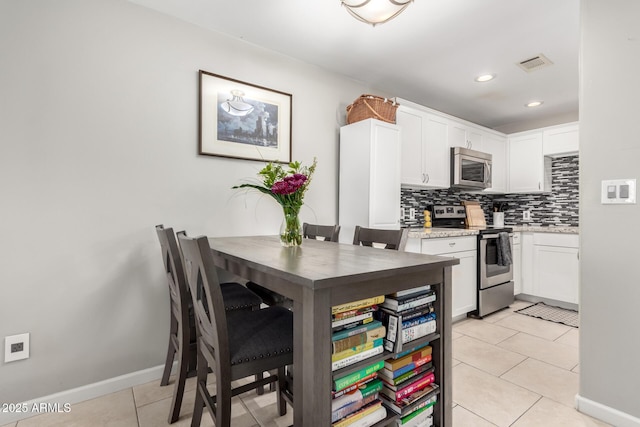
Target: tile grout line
{"points": [[479, 416], [527, 410]]}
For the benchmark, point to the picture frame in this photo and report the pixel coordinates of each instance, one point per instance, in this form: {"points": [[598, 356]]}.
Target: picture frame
{"points": [[241, 120]]}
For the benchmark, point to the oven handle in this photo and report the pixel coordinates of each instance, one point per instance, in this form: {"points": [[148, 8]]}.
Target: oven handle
{"points": [[491, 236]]}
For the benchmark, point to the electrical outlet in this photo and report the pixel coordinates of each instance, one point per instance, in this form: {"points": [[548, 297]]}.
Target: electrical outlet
{"points": [[16, 347], [402, 213], [526, 215], [412, 213]]}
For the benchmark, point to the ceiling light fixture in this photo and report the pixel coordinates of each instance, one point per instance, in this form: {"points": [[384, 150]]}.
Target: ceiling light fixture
{"points": [[236, 106], [485, 77], [534, 104], [375, 11]]}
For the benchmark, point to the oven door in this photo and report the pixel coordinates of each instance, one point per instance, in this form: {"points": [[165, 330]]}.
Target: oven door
{"points": [[491, 273]]}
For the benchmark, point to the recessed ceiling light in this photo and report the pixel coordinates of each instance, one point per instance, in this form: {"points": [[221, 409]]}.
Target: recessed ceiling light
{"points": [[534, 104], [485, 77]]}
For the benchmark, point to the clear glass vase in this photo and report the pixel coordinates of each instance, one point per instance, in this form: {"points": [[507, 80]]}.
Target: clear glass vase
{"points": [[291, 228]]}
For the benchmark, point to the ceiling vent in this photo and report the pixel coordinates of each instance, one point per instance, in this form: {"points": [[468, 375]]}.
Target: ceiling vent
{"points": [[535, 63]]}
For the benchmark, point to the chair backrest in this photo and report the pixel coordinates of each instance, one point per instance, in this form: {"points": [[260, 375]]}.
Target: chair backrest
{"points": [[328, 233], [176, 279], [392, 239], [208, 306]]}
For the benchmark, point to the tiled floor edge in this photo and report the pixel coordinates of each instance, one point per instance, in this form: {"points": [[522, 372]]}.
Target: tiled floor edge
{"points": [[605, 413], [86, 392]]}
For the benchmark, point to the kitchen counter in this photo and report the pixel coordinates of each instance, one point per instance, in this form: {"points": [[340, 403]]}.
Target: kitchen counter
{"points": [[436, 233], [539, 229]]}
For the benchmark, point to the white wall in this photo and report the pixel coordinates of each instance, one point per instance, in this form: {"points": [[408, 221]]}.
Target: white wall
{"points": [[609, 149], [98, 143]]}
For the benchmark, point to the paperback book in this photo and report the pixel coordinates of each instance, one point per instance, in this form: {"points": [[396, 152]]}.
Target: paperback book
{"points": [[349, 332], [419, 384], [342, 363], [354, 377], [354, 305], [358, 415], [412, 402], [356, 350], [358, 339]]}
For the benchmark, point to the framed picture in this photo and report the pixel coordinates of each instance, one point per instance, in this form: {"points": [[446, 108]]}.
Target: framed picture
{"points": [[243, 121]]}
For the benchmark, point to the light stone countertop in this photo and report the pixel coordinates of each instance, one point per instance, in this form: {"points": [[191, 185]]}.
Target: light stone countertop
{"points": [[436, 233], [550, 229]]}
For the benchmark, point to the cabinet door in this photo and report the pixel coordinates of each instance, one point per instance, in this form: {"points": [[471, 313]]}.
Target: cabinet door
{"points": [[464, 283], [555, 273], [560, 140], [413, 125], [526, 271], [497, 147], [460, 135], [437, 157], [384, 195], [526, 164], [517, 269]]}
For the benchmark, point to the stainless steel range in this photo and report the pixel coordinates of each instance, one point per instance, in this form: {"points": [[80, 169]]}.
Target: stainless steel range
{"points": [[495, 270], [495, 265]]}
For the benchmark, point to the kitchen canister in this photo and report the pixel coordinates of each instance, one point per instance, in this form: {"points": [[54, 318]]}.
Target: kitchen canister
{"points": [[498, 219]]}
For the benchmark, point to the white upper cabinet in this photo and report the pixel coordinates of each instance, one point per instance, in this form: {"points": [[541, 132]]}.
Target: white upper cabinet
{"points": [[464, 136], [526, 163], [424, 153], [561, 140], [496, 146]]}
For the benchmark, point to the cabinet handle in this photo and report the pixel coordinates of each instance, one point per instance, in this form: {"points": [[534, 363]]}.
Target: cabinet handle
{"points": [[452, 244], [539, 185], [427, 176]]}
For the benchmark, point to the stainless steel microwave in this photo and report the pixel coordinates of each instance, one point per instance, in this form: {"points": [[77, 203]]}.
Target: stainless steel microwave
{"points": [[470, 169]]}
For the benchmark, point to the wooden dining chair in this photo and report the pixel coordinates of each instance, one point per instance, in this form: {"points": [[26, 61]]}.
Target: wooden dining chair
{"points": [[182, 331], [327, 233], [391, 239], [234, 344]]}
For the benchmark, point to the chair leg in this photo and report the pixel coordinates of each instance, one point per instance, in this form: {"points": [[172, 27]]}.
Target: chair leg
{"points": [[178, 390], [201, 387], [259, 390], [282, 404], [171, 351], [223, 402], [168, 364]]}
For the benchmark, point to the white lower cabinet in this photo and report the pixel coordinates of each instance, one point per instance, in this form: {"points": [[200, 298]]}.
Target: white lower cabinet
{"points": [[517, 264], [556, 266], [463, 275], [550, 266]]}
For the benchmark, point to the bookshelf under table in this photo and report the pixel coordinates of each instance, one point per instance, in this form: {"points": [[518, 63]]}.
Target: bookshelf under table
{"points": [[319, 275]]}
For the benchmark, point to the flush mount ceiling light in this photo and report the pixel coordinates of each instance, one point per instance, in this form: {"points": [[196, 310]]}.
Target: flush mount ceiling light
{"points": [[236, 106], [534, 104], [375, 11], [485, 77]]}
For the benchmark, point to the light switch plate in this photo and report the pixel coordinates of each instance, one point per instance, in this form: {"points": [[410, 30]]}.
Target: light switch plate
{"points": [[618, 191], [12, 340]]}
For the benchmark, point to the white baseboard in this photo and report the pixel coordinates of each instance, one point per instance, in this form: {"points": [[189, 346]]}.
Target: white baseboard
{"points": [[605, 413], [86, 392]]}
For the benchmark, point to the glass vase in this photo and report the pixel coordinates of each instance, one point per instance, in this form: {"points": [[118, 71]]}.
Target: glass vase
{"points": [[291, 228]]}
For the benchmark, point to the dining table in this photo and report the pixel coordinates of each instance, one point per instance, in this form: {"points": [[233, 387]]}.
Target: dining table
{"points": [[318, 275]]}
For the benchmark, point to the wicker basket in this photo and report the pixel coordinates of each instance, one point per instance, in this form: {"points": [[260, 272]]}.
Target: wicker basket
{"points": [[372, 107]]}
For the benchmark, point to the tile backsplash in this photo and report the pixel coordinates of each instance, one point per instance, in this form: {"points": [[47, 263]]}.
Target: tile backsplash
{"points": [[559, 207]]}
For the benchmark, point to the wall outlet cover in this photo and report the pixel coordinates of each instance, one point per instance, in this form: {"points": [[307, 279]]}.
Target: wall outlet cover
{"points": [[16, 342]]}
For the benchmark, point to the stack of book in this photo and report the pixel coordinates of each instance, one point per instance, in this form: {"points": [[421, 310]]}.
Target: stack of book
{"points": [[356, 335], [409, 386], [407, 316], [356, 400]]}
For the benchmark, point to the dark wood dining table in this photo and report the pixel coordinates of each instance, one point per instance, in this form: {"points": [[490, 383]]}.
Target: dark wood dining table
{"points": [[318, 275]]}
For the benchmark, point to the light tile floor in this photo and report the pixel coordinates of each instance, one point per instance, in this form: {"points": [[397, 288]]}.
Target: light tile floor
{"points": [[508, 370]]}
